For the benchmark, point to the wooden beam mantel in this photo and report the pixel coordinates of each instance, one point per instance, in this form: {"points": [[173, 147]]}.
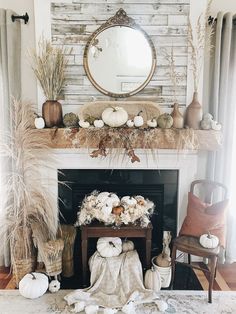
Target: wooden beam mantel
{"points": [[181, 139]]}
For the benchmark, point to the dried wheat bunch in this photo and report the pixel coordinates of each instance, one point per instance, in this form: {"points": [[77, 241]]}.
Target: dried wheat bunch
{"points": [[200, 43], [48, 64]]}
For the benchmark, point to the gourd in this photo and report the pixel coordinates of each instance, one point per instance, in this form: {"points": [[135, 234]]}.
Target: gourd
{"points": [[165, 121], [209, 241], [110, 199], [84, 124], [152, 280], [117, 210], [39, 122], [70, 119], [54, 286], [138, 120], [98, 123], [127, 246], [128, 200], [130, 123], [108, 246], [162, 260], [33, 285], [115, 117], [152, 123]]}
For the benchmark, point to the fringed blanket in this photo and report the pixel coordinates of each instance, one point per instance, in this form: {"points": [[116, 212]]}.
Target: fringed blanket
{"points": [[115, 282]]}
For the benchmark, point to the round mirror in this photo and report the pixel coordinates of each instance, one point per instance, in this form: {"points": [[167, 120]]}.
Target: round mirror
{"points": [[119, 58]]}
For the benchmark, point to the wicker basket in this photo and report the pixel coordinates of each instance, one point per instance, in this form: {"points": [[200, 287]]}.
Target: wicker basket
{"points": [[68, 234], [52, 256]]}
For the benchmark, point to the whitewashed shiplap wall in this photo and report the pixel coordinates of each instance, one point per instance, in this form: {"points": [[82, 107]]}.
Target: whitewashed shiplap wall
{"points": [[164, 20]]}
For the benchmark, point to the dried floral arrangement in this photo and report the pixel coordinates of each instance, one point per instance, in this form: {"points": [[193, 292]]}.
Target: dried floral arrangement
{"points": [[48, 64], [116, 141], [26, 200], [108, 208], [200, 43]]}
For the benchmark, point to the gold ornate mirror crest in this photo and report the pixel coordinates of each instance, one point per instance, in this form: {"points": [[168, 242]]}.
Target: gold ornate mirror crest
{"points": [[119, 57]]}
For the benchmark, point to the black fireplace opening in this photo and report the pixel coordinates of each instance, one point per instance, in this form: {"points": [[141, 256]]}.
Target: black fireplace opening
{"points": [[160, 186]]}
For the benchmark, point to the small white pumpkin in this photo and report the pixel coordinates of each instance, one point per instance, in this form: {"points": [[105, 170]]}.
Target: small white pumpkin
{"points": [[109, 199], [215, 125], [33, 285], [84, 124], [108, 246], [127, 246], [138, 120], [152, 123], [209, 241], [98, 123], [39, 122], [115, 117], [165, 121], [152, 280], [54, 286], [128, 200], [130, 123]]}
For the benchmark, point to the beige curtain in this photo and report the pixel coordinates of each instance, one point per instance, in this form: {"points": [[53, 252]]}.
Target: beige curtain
{"points": [[222, 104], [10, 86]]}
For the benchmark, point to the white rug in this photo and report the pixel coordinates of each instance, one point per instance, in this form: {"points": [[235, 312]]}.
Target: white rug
{"points": [[181, 302]]}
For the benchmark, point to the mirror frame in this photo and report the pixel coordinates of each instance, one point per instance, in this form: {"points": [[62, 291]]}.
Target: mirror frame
{"points": [[119, 19]]}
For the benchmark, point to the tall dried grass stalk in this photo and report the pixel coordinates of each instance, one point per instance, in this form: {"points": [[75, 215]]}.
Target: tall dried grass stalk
{"points": [[26, 199], [200, 43], [48, 64]]}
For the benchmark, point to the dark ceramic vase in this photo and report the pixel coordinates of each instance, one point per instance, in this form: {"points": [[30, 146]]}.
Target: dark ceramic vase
{"points": [[52, 113]]}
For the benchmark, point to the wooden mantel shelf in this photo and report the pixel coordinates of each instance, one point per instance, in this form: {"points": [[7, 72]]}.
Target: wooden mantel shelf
{"points": [[181, 139]]}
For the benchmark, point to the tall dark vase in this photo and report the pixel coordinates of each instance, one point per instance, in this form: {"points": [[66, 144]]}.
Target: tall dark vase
{"points": [[52, 113], [194, 113]]}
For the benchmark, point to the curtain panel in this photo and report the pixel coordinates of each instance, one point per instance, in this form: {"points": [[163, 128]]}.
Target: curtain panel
{"points": [[10, 86], [222, 104]]}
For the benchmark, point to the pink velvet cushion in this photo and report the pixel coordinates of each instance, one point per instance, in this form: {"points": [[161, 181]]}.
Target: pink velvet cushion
{"points": [[202, 217]]}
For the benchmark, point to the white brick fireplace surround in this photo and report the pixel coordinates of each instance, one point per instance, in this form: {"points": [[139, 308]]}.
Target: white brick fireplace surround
{"points": [[183, 161]]}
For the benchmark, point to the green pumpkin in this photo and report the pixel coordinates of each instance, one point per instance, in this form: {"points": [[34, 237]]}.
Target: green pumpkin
{"points": [[70, 119], [165, 121]]}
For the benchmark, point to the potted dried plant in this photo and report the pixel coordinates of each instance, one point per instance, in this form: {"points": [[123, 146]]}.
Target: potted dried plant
{"points": [[198, 43], [48, 64]]}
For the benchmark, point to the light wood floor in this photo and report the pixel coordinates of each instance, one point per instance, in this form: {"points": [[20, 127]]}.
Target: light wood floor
{"points": [[225, 278]]}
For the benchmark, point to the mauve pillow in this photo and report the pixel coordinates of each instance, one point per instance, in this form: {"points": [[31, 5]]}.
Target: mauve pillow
{"points": [[202, 218]]}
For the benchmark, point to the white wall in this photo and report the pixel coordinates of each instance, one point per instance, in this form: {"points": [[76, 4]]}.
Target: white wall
{"points": [[29, 88]]}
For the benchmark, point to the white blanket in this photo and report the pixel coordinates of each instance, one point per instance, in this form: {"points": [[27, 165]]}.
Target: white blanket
{"points": [[115, 282]]}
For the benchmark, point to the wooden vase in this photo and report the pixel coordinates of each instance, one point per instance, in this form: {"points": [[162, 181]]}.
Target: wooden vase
{"points": [[178, 119], [52, 113], [194, 113]]}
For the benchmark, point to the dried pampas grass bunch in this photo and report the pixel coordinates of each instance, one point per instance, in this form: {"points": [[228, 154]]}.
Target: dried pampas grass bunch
{"points": [[26, 199], [48, 64], [200, 43]]}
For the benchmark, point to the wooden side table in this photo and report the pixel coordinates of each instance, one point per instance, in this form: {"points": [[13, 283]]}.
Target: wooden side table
{"points": [[98, 230]]}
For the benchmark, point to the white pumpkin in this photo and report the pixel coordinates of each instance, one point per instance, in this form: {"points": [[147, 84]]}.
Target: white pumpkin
{"points": [[138, 120], [152, 280], [107, 209], [54, 286], [39, 122], [215, 125], [98, 123], [109, 199], [108, 246], [128, 200], [127, 246], [209, 241], [152, 123], [130, 123], [115, 117], [109, 311], [84, 124], [33, 285]]}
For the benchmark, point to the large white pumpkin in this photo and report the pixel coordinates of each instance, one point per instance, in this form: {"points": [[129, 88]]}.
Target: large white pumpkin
{"points": [[33, 285], [115, 117], [152, 280], [209, 241], [108, 199], [108, 246]]}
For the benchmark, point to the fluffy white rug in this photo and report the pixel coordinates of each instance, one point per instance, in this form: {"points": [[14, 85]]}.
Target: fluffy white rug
{"points": [[181, 302]]}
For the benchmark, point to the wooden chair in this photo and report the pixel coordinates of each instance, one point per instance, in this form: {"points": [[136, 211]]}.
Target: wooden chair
{"points": [[191, 245]]}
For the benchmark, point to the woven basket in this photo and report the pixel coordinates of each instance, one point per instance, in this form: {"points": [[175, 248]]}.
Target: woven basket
{"points": [[68, 234], [23, 267], [52, 256]]}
